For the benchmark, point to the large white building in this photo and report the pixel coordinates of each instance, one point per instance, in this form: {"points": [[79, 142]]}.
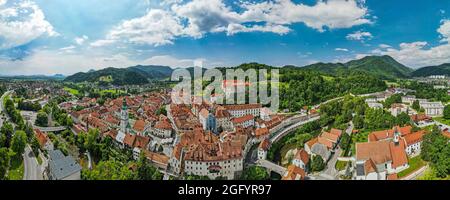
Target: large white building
{"points": [[244, 109], [433, 109]]}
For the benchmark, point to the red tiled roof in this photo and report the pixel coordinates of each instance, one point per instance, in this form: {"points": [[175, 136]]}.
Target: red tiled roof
{"points": [[164, 124], [398, 153], [336, 132], [242, 119], [414, 137], [264, 145], [261, 131], [302, 155], [41, 137], [294, 172], [139, 125], [156, 158], [129, 139], [392, 177], [446, 134]]}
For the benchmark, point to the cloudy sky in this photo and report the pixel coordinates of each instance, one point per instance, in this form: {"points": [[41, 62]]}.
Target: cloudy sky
{"points": [[48, 37]]}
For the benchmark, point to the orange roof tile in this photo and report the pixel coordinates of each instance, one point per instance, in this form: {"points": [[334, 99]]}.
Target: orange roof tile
{"points": [[261, 131], [264, 145], [414, 137], [139, 125], [294, 173], [242, 119], [302, 155]]}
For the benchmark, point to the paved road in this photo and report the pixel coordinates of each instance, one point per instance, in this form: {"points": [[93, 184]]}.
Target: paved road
{"points": [[330, 171], [32, 170], [291, 128], [418, 173]]}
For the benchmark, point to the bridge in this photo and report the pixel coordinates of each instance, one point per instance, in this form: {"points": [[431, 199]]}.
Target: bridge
{"points": [[272, 167], [277, 136], [50, 129]]}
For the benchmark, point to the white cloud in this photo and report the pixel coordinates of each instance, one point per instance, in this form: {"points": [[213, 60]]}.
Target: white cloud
{"points": [[2, 2], [157, 27], [360, 36], [100, 43], [199, 17], [341, 49], [81, 40], [384, 46], [21, 23], [420, 53], [444, 30], [332, 14], [68, 48], [237, 28]]}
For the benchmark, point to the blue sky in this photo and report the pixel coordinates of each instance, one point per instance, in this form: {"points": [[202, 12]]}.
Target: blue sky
{"points": [[42, 37]]}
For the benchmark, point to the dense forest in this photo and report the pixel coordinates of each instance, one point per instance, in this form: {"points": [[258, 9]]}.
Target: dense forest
{"points": [[305, 88]]}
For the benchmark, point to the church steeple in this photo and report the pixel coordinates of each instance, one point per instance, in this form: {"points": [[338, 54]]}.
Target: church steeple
{"points": [[396, 136], [124, 116]]}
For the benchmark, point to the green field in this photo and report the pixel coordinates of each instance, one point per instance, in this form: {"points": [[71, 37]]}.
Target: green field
{"points": [[442, 120], [414, 164], [71, 91], [359, 138], [112, 91], [16, 169]]}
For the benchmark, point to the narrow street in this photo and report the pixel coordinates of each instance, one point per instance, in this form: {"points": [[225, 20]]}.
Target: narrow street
{"points": [[32, 170]]}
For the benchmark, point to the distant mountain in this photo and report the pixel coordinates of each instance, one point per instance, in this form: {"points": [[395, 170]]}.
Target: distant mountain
{"points": [[443, 69], [382, 66], [35, 77], [135, 75]]}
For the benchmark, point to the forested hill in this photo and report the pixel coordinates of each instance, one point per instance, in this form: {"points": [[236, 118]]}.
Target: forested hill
{"points": [[384, 67], [135, 75], [443, 69]]}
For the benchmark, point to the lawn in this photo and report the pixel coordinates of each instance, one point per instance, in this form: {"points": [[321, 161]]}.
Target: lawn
{"points": [[430, 174], [39, 159], [340, 165], [16, 169], [414, 164], [442, 120], [359, 138], [71, 90]]}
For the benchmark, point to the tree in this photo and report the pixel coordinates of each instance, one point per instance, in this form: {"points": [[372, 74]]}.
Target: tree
{"points": [[435, 149], [109, 170], [6, 133], [92, 142], [416, 105], [447, 112], [35, 145], [4, 162], [358, 121], [42, 119], [403, 119], [396, 98], [145, 171], [317, 164], [255, 173], [18, 143]]}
